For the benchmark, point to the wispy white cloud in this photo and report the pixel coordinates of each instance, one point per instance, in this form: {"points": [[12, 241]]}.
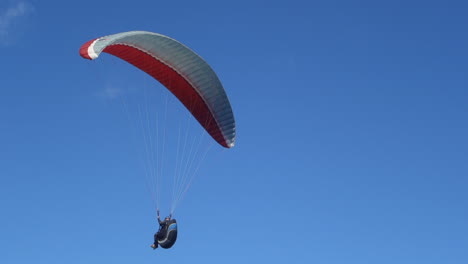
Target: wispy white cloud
{"points": [[111, 92], [11, 15]]}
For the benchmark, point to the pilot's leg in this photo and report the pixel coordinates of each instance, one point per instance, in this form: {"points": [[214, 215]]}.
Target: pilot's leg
{"points": [[155, 244]]}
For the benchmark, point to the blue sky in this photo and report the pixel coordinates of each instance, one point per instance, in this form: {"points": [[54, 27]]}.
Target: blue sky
{"points": [[351, 146]]}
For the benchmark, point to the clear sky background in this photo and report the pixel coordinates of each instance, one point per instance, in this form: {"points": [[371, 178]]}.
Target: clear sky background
{"points": [[351, 147]]}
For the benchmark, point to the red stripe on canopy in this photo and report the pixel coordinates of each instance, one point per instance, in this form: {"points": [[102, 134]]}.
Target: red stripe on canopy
{"points": [[84, 50], [172, 80]]}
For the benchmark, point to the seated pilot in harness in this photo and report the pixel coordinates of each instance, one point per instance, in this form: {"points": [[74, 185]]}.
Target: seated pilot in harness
{"points": [[167, 233]]}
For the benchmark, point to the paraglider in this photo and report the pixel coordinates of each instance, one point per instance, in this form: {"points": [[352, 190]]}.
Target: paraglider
{"points": [[167, 233], [189, 78]]}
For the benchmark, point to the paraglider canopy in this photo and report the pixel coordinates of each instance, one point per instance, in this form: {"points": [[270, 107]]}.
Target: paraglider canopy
{"points": [[180, 70]]}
